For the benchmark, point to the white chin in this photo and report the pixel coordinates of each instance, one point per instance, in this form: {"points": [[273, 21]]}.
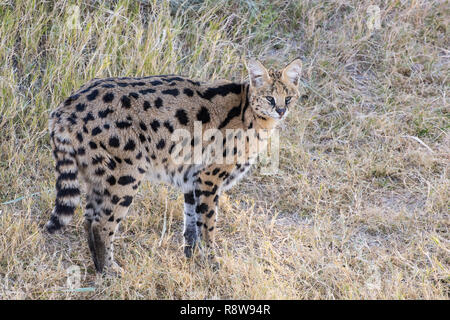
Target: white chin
{"points": [[278, 117], [275, 116]]}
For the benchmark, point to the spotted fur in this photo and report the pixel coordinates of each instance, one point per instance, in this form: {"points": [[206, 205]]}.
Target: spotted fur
{"points": [[114, 133]]}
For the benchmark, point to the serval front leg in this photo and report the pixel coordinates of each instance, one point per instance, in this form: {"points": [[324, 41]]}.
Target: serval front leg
{"points": [[190, 224]]}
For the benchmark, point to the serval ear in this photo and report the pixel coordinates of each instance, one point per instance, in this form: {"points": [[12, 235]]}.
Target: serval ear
{"points": [[258, 74], [291, 73]]}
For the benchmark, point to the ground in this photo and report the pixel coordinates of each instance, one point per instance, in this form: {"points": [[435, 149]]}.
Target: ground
{"points": [[359, 207]]}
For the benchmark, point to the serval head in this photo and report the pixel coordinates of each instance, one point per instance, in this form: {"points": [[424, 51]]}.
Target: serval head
{"points": [[272, 92]]}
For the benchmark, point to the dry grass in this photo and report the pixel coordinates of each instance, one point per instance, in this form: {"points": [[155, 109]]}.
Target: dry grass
{"points": [[361, 208]]}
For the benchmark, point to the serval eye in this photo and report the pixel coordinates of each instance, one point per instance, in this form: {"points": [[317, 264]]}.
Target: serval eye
{"points": [[287, 100], [271, 100]]}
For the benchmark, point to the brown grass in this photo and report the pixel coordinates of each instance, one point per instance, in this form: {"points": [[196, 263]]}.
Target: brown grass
{"points": [[360, 209]]}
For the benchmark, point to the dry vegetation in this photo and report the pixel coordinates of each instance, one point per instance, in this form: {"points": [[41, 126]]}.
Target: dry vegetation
{"points": [[360, 207]]}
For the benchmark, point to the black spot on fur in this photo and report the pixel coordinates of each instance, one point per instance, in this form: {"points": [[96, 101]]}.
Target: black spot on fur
{"points": [[182, 117], [66, 176], [169, 126], [81, 151], [189, 198], [111, 164], [245, 106], [104, 113], [155, 125], [115, 199], [123, 124], [188, 92], [221, 90], [88, 117], [79, 137], [92, 95], [108, 97], [91, 86], [96, 131], [147, 91], [126, 201], [171, 148], [124, 180], [69, 101], [222, 174], [114, 142], [172, 92], [146, 105], [111, 180], [130, 146], [173, 79], [93, 145], [235, 112], [126, 102], [99, 171], [68, 192], [134, 95], [203, 115], [62, 163], [63, 210], [158, 103], [72, 118], [202, 208], [161, 144], [195, 83], [143, 126]]}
